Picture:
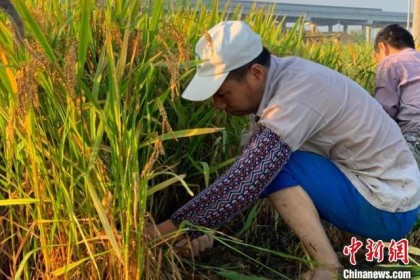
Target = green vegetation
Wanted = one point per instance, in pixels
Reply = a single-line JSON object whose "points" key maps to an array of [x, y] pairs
{"points": [[94, 135]]}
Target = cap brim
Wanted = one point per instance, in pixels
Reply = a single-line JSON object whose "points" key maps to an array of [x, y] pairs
{"points": [[203, 87]]}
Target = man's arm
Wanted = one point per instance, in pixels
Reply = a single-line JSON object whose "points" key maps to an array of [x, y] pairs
{"points": [[261, 160]]}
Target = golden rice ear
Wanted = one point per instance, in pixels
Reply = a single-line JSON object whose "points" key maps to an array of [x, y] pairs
{"points": [[7, 7]]}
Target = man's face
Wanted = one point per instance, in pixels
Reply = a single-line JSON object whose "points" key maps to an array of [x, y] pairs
{"points": [[241, 97]]}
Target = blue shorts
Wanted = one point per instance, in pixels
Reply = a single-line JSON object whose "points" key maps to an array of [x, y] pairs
{"points": [[338, 201]]}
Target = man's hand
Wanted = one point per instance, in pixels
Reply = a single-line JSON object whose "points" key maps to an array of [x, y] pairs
{"points": [[153, 231], [183, 246], [196, 246]]}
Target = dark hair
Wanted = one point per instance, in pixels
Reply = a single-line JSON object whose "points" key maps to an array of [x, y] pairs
{"points": [[394, 35], [263, 58]]}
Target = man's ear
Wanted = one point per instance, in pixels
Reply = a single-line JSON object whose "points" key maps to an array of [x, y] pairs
{"points": [[258, 72], [384, 48]]}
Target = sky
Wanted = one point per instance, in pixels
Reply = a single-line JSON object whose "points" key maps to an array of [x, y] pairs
{"points": [[385, 5]]}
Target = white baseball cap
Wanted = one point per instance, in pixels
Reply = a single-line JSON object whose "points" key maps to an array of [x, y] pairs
{"points": [[226, 47]]}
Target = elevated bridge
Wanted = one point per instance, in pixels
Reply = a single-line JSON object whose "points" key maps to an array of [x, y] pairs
{"points": [[320, 15]]}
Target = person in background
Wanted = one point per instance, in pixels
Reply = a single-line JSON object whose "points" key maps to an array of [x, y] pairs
{"points": [[398, 81], [321, 149]]}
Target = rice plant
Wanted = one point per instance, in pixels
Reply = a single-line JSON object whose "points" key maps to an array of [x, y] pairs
{"points": [[95, 137]]}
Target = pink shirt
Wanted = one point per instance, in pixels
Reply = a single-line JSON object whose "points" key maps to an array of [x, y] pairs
{"points": [[398, 89]]}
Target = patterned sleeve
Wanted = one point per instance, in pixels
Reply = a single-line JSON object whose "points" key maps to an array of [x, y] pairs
{"points": [[261, 160]]}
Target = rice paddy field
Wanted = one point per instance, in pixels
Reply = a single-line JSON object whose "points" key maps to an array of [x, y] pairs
{"points": [[95, 142]]}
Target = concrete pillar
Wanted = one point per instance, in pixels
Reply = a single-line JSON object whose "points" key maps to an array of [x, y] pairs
{"points": [[368, 33], [416, 23], [345, 27], [330, 28]]}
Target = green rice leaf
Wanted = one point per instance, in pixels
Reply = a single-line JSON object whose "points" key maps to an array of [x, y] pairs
{"points": [[165, 184], [84, 33], [181, 134], [102, 216], [18, 201]]}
